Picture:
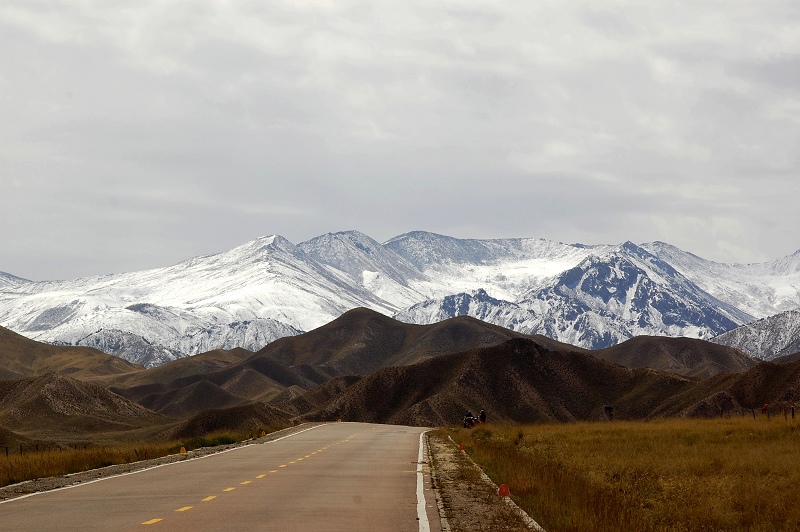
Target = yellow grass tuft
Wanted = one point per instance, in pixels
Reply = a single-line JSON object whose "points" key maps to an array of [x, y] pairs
{"points": [[676, 474]]}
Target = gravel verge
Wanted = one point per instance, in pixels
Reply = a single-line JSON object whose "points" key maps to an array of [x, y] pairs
{"points": [[466, 501]]}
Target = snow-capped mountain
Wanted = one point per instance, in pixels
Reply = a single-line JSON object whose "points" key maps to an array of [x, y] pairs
{"points": [[506, 268], [247, 297], [591, 296], [376, 267], [760, 290], [477, 304], [7, 281], [766, 338], [602, 301]]}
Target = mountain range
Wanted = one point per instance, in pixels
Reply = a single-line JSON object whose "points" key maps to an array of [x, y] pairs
{"points": [[588, 296], [365, 366]]}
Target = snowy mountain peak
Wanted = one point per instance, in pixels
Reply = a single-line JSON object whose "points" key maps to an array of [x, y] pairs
{"points": [[8, 280], [341, 243], [424, 249], [370, 264], [272, 243], [786, 265]]}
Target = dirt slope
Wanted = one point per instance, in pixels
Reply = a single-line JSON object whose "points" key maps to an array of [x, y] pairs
{"points": [[517, 381], [684, 356], [238, 420], [55, 403], [357, 343], [22, 357], [362, 341]]}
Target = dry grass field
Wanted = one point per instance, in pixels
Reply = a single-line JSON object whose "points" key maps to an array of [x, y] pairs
{"points": [[738, 473], [63, 460]]}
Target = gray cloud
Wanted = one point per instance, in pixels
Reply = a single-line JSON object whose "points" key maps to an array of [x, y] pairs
{"points": [[138, 134]]}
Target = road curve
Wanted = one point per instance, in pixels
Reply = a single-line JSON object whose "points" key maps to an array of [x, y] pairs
{"points": [[338, 476]]}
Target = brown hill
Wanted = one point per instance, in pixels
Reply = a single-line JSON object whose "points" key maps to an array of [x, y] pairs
{"points": [[361, 341], [172, 393], [786, 358], [55, 404], [186, 401], [199, 364], [318, 397], [730, 394], [239, 419], [522, 381], [768, 383], [357, 343], [684, 356], [22, 357], [11, 439], [518, 381]]}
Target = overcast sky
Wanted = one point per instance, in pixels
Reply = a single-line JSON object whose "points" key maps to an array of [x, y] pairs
{"points": [[136, 134]]}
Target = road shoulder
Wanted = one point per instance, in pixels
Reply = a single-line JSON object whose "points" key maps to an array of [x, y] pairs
{"points": [[466, 502]]}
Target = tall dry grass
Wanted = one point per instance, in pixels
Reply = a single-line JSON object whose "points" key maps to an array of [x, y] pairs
{"points": [[677, 474], [54, 462], [19, 467]]}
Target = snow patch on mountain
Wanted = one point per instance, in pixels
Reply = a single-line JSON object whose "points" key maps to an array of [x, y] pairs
{"points": [[478, 304], [378, 269], [506, 268]]}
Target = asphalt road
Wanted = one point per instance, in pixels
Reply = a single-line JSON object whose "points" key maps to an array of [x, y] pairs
{"points": [[339, 476]]}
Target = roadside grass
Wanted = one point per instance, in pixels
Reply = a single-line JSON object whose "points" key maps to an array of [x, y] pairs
{"points": [[674, 474], [57, 461]]}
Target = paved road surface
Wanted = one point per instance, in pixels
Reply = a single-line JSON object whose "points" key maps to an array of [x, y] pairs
{"points": [[339, 476]]}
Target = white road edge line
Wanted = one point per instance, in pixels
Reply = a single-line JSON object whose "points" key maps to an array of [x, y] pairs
{"points": [[154, 467], [422, 513]]}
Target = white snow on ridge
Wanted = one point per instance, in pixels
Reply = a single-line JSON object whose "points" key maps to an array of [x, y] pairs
{"points": [[268, 288], [760, 290]]}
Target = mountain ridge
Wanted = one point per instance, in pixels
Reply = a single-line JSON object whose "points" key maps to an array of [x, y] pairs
{"points": [[270, 288]]}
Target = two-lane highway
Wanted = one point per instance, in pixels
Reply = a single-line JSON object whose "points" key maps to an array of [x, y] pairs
{"points": [[339, 476]]}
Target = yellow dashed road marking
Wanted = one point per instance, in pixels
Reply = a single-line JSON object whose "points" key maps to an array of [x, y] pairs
{"points": [[184, 509], [245, 482], [282, 465], [229, 489], [210, 497], [299, 459], [261, 476], [152, 521], [274, 471]]}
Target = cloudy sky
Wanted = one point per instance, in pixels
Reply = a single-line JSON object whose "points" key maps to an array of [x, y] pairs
{"points": [[136, 134]]}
